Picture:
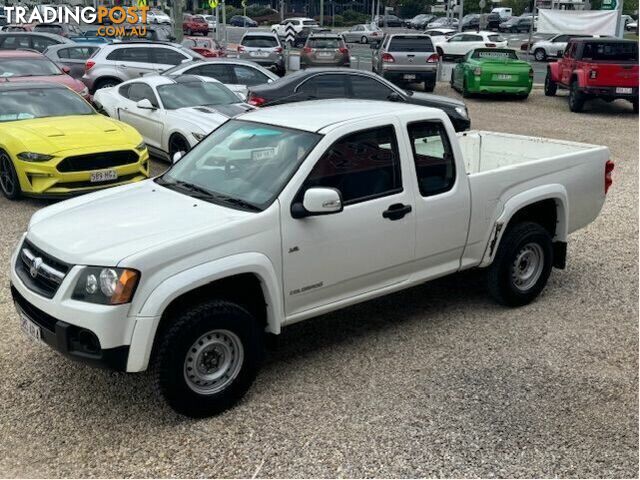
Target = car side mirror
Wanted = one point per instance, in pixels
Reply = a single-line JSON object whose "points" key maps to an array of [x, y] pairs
{"points": [[66, 70], [394, 97], [145, 104], [177, 156], [318, 201]]}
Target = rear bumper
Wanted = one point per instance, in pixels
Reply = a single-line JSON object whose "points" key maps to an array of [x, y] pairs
{"points": [[307, 62], [497, 89], [428, 76], [611, 92]]}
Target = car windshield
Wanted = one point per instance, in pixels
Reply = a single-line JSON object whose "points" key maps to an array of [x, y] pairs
{"points": [[411, 44], [495, 38], [493, 54], [260, 42], [193, 94], [613, 52], [40, 103], [27, 67], [323, 43], [309, 22], [241, 164]]}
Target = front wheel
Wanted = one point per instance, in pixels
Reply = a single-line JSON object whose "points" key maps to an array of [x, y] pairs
{"points": [[550, 87], [364, 40], [9, 183], [208, 358], [177, 143], [540, 55], [522, 265]]}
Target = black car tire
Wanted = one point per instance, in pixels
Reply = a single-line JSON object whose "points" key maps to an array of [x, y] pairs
{"points": [[177, 143], [576, 97], [540, 55], [550, 87], [635, 105], [429, 87], [9, 183], [364, 40], [106, 83]]}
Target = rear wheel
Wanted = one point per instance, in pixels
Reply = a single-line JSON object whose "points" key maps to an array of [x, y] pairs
{"points": [[9, 183], [635, 105], [429, 87], [540, 55], [106, 83], [550, 87], [576, 97]]}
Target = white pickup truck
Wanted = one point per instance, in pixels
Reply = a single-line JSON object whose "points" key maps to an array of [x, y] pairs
{"points": [[286, 213]]}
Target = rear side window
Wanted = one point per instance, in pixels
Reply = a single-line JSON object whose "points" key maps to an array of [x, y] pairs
{"points": [[12, 42], [493, 38], [411, 44], [260, 42], [76, 53], [220, 72], [41, 43], [166, 56], [136, 55], [326, 86], [333, 42], [362, 166], [433, 158], [614, 52], [249, 76]]}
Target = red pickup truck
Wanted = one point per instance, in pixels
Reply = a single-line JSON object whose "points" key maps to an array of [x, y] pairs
{"points": [[604, 68], [193, 25]]}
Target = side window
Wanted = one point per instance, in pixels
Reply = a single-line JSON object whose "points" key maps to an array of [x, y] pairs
{"points": [[561, 39], [249, 76], [362, 166], [457, 38], [124, 90], [76, 53], [433, 157], [41, 43], [325, 86], [140, 91], [134, 55], [166, 56], [365, 87], [220, 72], [472, 38]]}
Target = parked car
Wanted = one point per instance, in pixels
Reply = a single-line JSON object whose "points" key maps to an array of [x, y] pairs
{"points": [[284, 214], [419, 22], [119, 62], [516, 25], [363, 33], [205, 46], [470, 22], [263, 48], [158, 17], [29, 66], [172, 112], [237, 75], [155, 33], [496, 71], [211, 21], [494, 20], [30, 40], [92, 35], [327, 83], [407, 58], [325, 50], [439, 35], [54, 144], [626, 20], [551, 47], [301, 37], [388, 21], [459, 45], [443, 22], [62, 29], [192, 25], [505, 13], [631, 26], [72, 56], [297, 23], [596, 68], [242, 21]]}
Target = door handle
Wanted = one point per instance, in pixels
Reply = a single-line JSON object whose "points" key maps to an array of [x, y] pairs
{"points": [[396, 211]]}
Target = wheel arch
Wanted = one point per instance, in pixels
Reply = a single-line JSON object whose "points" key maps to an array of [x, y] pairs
{"points": [[101, 79], [554, 71]]}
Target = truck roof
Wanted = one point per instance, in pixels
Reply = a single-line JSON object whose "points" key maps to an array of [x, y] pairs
{"points": [[316, 115]]}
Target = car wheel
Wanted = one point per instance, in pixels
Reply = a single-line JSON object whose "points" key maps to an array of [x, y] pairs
{"points": [[9, 183], [429, 87], [177, 143], [208, 358], [576, 97], [451, 81], [522, 265], [465, 92], [635, 105], [550, 87], [540, 55], [106, 83]]}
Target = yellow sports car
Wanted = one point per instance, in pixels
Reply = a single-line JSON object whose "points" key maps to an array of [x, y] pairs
{"points": [[54, 144]]}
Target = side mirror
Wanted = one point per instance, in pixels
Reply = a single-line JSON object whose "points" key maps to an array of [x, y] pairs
{"points": [[145, 104], [318, 201], [394, 97], [66, 70], [177, 156]]}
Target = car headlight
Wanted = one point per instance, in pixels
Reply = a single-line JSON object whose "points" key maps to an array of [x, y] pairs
{"points": [[198, 136], [142, 147], [34, 157], [106, 285], [462, 111]]}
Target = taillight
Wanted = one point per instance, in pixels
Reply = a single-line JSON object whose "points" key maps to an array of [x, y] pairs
{"points": [[593, 74], [89, 65], [388, 58], [374, 34], [477, 71], [343, 50], [278, 49], [306, 49], [433, 58], [255, 100], [490, 45], [608, 178], [240, 49]]}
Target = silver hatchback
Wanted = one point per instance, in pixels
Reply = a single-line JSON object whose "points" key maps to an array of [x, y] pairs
{"points": [[263, 48]]}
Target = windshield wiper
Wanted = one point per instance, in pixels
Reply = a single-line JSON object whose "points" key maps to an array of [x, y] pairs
{"points": [[237, 201], [203, 193]]}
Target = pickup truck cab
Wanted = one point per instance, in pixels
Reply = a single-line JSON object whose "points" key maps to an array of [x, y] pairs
{"points": [[283, 214], [596, 68]]}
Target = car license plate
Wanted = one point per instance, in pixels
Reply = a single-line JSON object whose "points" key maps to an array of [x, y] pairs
{"points": [[29, 328], [503, 76], [408, 76], [624, 90], [103, 176], [325, 54], [259, 54]]}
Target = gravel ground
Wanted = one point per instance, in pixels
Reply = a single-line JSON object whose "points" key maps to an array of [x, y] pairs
{"points": [[434, 381]]}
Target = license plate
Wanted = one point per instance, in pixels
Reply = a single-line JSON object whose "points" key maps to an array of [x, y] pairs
{"points": [[503, 76], [259, 54], [624, 90], [408, 76], [325, 54], [103, 176], [29, 328], [266, 154]]}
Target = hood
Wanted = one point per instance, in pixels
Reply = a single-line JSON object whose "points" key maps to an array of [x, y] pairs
{"points": [[55, 134], [122, 221], [429, 100], [208, 118], [68, 81]]}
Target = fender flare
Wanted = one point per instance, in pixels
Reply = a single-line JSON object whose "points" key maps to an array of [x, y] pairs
{"points": [[151, 311], [581, 75], [554, 72], [516, 203]]}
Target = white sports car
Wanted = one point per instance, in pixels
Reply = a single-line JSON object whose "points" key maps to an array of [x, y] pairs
{"points": [[172, 113], [460, 44]]}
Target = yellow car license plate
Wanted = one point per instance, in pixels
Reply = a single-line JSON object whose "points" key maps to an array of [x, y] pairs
{"points": [[103, 176]]}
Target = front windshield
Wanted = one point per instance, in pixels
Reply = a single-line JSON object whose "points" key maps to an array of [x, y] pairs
{"points": [[39, 103], [27, 67], [195, 94], [241, 164]]}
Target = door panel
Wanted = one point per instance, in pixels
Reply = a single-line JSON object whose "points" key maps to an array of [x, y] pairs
{"points": [[149, 123]]}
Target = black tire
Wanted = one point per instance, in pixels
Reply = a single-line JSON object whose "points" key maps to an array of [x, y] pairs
{"points": [[540, 55], [502, 275], [429, 87], [465, 92], [364, 40], [451, 81], [177, 143], [576, 97], [106, 83], [215, 320], [635, 105], [9, 183], [550, 87]]}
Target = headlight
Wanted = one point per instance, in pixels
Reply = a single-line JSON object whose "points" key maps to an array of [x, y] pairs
{"points": [[462, 111], [198, 136], [106, 285], [142, 147], [34, 157]]}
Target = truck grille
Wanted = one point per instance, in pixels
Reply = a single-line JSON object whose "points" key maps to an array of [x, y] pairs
{"points": [[40, 272], [97, 161]]}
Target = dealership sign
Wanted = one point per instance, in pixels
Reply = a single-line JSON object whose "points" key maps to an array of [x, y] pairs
{"points": [[65, 14]]}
